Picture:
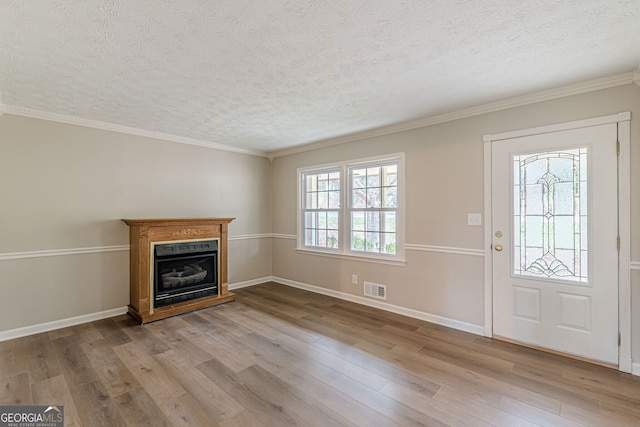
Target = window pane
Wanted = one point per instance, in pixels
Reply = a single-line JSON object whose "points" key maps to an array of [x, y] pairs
{"points": [[373, 221], [323, 182], [310, 220], [373, 198], [334, 184], [334, 199], [389, 222], [359, 179], [372, 242], [357, 241], [389, 243], [332, 220], [390, 197], [322, 238], [322, 219], [332, 238], [357, 221], [373, 177], [311, 181], [311, 201], [391, 175], [358, 198], [323, 200]]}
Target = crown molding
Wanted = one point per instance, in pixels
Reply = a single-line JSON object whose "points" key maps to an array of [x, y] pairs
{"points": [[547, 95], [61, 118]]}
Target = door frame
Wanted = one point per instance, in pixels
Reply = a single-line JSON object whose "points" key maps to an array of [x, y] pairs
{"points": [[624, 222]]}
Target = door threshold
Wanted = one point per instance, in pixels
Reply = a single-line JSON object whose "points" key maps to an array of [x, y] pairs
{"points": [[556, 352]]}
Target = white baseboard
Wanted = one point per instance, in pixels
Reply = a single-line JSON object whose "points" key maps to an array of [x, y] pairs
{"points": [[625, 364], [252, 282], [635, 368], [58, 324], [427, 317]]}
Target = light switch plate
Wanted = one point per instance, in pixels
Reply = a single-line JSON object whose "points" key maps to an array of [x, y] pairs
{"points": [[474, 219]]}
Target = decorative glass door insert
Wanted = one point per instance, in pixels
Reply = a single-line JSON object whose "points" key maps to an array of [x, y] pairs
{"points": [[550, 215]]}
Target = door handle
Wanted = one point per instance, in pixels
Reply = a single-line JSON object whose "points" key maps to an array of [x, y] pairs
{"points": [[498, 248]]}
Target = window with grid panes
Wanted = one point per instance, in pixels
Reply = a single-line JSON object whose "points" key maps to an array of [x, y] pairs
{"points": [[353, 208], [373, 208], [321, 209]]}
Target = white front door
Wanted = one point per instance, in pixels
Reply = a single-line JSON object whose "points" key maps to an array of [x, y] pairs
{"points": [[554, 241]]}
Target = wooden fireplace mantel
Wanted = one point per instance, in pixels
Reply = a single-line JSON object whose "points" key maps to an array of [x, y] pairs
{"points": [[143, 233]]}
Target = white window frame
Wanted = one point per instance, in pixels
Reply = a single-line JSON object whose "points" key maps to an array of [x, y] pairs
{"points": [[344, 222]]}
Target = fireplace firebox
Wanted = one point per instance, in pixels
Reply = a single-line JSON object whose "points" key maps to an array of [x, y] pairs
{"points": [[185, 271]]}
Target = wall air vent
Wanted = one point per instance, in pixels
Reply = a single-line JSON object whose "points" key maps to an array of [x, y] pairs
{"points": [[375, 290]]}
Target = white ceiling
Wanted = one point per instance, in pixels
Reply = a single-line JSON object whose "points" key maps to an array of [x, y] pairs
{"points": [[267, 75]]}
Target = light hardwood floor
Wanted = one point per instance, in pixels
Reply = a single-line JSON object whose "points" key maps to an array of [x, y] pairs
{"points": [[280, 356]]}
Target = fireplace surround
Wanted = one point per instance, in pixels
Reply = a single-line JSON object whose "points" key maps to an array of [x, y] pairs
{"points": [[176, 266]]}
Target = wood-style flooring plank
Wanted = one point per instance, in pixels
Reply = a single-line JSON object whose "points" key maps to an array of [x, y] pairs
{"points": [[138, 409], [55, 391], [40, 358], [263, 406], [16, 390], [212, 399], [112, 372], [160, 386], [95, 406], [185, 410], [398, 411], [75, 364]]}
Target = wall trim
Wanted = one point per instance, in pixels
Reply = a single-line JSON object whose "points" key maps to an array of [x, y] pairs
{"points": [[634, 265], [95, 124], [635, 370], [62, 252], [98, 249], [547, 95], [416, 314], [250, 236], [285, 236], [445, 249], [59, 324]]}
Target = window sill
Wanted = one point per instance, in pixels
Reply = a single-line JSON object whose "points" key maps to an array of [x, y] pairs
{"points": [[398, 262]]}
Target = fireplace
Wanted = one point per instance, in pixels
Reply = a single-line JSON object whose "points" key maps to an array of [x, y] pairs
{"points": [[184, 271], [176, 266]]}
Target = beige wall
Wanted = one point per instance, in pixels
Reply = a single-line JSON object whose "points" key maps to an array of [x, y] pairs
{"points": [[66, 187], [444, 175]]}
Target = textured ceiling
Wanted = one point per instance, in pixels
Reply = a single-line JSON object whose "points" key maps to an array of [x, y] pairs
{"points": [[272, 74]]}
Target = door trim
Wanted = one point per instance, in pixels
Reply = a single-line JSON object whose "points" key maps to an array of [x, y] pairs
{"points": [[624, 222]]}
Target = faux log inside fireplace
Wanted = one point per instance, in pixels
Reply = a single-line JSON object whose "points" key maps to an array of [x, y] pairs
{"points": [[176, 266]]}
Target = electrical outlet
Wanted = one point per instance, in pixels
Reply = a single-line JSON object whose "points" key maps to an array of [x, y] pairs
{"points": [[354, 279]]}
